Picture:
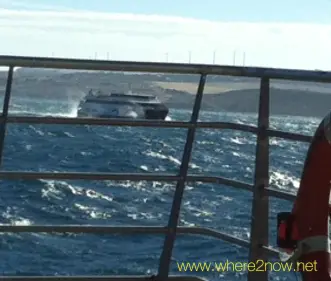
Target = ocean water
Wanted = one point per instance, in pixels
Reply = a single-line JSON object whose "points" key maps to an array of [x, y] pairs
{"points": [[123, 149]]}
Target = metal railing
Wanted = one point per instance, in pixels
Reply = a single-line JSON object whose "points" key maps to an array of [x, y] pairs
{"points": [[258, 245]]}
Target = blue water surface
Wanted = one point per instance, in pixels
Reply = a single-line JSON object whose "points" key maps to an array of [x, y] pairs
{"points": [[124, 149]]}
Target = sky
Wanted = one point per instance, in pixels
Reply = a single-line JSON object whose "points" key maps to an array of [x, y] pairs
{"points": [[290, 34]]}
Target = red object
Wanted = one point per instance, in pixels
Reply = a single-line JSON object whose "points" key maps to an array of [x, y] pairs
{"points": [[287, 234], [282, 230], [311, 208]]}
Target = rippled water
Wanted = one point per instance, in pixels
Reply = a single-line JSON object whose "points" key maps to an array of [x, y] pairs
{"points": [[122, 149]]}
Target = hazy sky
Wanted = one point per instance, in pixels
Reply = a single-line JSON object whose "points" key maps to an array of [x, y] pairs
{"points": [[294, 34]]}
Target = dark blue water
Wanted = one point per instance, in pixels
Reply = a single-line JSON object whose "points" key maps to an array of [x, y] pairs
{"points": [[123, 149]]}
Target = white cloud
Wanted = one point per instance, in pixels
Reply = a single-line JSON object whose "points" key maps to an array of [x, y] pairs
{"points": [[81, 34], [30, 5]]}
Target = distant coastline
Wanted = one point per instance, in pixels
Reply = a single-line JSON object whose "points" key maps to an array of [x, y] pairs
{"points": [[230, 94]]}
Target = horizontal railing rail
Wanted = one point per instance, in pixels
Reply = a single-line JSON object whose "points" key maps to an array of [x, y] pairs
{"points": [[157, 124], [23, 175], [153, 67], [130, 230], [258, 243]]}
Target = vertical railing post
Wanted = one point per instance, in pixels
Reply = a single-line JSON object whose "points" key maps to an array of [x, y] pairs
{"points": [[169, 241], [5, 108], [260, 204]]}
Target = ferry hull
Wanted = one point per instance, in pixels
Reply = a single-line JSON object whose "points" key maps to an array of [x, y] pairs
{"points": [[159, 112], [122, 106]]}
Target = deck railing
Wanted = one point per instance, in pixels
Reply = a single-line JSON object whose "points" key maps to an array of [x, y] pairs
{"points": [[258, 245]]}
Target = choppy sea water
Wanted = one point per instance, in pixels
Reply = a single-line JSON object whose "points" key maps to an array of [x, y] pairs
{"points": [[123, 149]]}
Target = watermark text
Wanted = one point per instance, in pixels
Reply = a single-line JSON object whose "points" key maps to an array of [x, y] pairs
{"points": [[258, 266]]}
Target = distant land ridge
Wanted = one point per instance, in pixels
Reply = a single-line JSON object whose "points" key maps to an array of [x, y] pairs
{"points": [[232, 94]]}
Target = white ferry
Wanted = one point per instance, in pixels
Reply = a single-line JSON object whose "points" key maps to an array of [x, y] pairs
{"points": [[121, 105]]}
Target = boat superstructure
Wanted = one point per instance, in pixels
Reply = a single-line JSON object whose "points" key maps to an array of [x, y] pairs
{"points": [[258, 244], [122, 105]]}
